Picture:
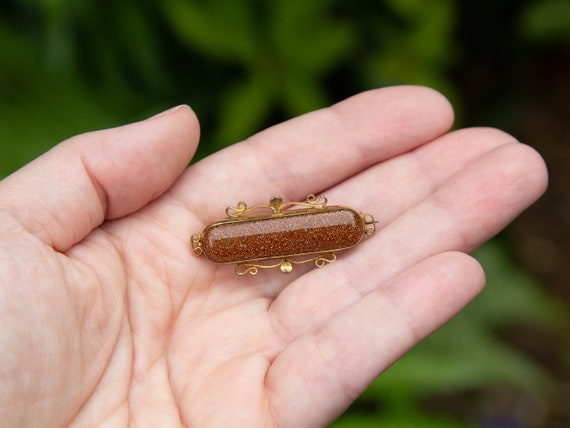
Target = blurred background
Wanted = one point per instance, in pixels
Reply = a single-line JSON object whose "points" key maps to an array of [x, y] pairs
{"points": [[68, 67]]}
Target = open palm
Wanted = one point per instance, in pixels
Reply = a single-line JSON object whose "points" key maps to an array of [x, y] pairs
{"points": [[106, 317]]}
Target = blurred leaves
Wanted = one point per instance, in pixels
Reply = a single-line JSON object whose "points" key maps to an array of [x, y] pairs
{"points": [[38, 109], [546, 21], [223, 29], [417, 45], [282, 49]]}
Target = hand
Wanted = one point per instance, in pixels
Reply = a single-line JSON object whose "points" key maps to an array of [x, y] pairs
{"points": [[106, 317]]}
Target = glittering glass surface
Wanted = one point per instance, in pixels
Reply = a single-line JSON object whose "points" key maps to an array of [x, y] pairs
{"points": [[282, 236]]}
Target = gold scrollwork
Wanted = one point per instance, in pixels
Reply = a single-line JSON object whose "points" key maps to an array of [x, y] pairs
{"points": [[321, 261], [286, 264], [276, 205], [317, 201], [312, 201], [237, 211], [253, 268]]}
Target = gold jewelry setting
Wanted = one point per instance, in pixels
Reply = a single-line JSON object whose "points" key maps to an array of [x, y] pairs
{"points": [[292, 233]]}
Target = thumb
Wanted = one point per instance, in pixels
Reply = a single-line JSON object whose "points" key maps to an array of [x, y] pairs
{"points": [[61, 196]]}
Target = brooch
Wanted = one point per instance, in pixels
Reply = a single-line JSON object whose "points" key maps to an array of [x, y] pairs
{"points": [[291, 233]]}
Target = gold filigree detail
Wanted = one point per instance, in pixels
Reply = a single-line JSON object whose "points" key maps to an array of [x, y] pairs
{"points": [[286, 264], [196, 241], [237, 211], [369, 223], [276, 205], [321, 261], [316, 201], [253, 268], [312, 201]]}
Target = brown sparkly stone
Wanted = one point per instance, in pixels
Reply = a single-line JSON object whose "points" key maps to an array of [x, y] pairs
{"points": [[284, 235]]}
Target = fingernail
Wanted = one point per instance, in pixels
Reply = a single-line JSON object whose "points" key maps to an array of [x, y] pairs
{"points": [[170, 110]]}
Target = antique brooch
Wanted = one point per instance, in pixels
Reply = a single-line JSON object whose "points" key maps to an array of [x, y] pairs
{"points": [[291, 233]]}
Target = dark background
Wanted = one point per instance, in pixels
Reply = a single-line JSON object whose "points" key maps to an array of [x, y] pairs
{"points": [[69, 67]]}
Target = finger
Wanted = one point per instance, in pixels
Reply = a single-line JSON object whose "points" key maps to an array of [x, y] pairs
{"points": [[390, 189], [469, 208], [317, 150], [322, 372], [64, 194]]}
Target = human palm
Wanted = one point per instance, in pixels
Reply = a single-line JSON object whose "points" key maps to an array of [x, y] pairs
{"points": [[106, 317]]}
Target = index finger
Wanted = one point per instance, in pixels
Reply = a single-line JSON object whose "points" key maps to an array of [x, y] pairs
{"points": [[317, 150]]}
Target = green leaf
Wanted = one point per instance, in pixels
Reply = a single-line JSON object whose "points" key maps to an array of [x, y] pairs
{"points": [[138, 42], [243, 109], [302, 94], [512, 295], [546, 21], [460, 356], [39, 108], [224, 29], [306, 35]]}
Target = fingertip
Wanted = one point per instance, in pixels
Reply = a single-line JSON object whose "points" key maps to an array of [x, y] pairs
{"points": [[170, 111], [434, 290], [416, 114], [523, 175], [182, 116], [460, 266], [436, 100], [529, 161], [455, 275], [440, 107], [135, 163], [520, 160], [537, 168], [431, 100], [182, 113]]}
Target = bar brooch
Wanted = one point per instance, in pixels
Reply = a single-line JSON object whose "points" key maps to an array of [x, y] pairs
{"points": [[291, 233]]}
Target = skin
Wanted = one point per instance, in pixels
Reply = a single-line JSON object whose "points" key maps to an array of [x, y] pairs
{"points": [[107, 318]]}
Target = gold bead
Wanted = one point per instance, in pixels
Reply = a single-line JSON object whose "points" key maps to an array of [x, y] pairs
{"points": [[286, 266]]}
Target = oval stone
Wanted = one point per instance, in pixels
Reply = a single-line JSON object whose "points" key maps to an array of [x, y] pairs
{"points": [[282, 235]]}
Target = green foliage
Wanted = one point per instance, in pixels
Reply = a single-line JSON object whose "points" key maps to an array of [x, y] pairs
{"points": [[421, 49], [358, 420], [35, 105], [282, 50], [69, 67], [547, 21]]}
